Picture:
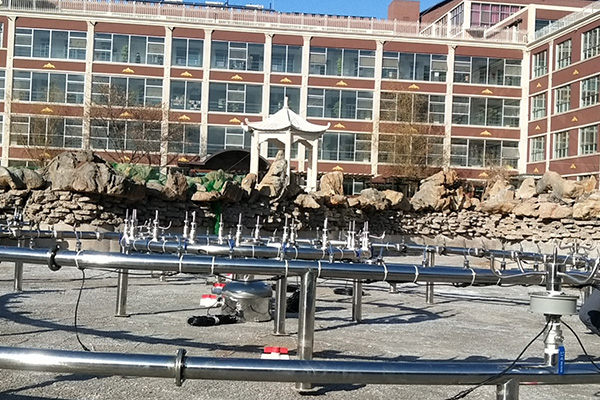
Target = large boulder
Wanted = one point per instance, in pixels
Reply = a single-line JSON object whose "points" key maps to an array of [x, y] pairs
{"points": [[502, 202], [307, 201], [11, 179], [84, 172], [176, 186], [554, 211], [332, 183], [273, 183], [397, 200], [588, 208], [434, 191], [232, 192], [527, 189], [561, 188]]}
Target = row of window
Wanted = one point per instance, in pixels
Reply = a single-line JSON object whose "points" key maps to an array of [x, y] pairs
{"points": [[588, 144], [247, 99], [590, 47], [186, 139], [182, 138], [240, 56], [590, 90]]}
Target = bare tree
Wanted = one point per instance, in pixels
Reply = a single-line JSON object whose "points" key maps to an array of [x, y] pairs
{"points": [[130, 131], [410, 144]]}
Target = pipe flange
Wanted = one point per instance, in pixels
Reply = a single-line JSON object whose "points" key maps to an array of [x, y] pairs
{"points": [[178, 367], [51, 259]]}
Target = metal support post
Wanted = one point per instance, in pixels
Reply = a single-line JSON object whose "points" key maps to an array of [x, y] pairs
{"points": [[280, 306], [122, 281], [429, 285], [18, 283], [508, 390], [357, 301], [554, 340], [306, 321]]}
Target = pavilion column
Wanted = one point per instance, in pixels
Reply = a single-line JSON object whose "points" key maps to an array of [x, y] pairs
{"points": [[254, 153], [312, 173], [288, 153]]}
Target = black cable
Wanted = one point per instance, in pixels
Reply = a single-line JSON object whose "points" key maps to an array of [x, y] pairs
{"points": [[466, 392], [581, 345], [77, 309]]}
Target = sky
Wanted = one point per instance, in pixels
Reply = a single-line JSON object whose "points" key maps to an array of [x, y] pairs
{"points": [[358, 8]]}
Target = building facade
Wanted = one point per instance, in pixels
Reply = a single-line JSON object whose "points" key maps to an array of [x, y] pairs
{"points": [[481, 84]]}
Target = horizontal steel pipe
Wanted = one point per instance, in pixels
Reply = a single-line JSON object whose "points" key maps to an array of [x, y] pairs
{"points": [[220, 265], [577, 260], [181, 367], [253, 251]]}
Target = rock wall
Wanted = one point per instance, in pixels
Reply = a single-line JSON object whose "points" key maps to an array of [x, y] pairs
{"points": [[47, 208]]}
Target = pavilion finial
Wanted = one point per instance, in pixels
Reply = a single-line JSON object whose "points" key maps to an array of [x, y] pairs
{"points": [[285, 102]]}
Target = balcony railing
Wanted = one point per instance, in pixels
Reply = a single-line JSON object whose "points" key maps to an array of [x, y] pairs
{"points": [[568, 20], [237, 17]]}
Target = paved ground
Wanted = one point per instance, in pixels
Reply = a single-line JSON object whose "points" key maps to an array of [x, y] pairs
{"points": [[476, 323]]}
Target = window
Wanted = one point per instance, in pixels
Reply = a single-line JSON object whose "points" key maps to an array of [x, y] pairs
{"points": [[277, 97], [540, 64], [403, 149], [480, 153], [344, 104], [457, 17], [125, 135], [236, 98], [561, 144], [487, 71], [54, 44], [538, 106], [345, 147], [185, 95], [563, 99], [483, 14], [286, 59], [184, 139], [537, 149], [342, 62], [220, 138], [414, 67], [237, 56], [591, 43], [410, 107], [121, 91], [1, 34], [589, 91], [563, 54], [187, 52], [485, 111], [129, 49], [44, 132], [588, 140], [48, 87]]}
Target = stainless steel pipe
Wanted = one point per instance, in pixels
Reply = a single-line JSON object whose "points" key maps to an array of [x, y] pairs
{"points": [[219, 265], [306, 322], [181, 367]]}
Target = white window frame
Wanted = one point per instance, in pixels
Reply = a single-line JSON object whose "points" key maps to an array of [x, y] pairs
{"points": [[563, 54], [538, 106], [590, 88], [561, 144], [588, 140], [562, 99], [590, 43], [537, 150], [540, 64]]}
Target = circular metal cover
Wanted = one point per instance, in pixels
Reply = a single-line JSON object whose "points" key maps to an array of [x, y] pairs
{"points": [[247, 290], [560, 304]]}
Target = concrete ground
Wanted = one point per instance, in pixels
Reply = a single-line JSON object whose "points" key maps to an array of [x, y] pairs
{"points": [[473, 323]]}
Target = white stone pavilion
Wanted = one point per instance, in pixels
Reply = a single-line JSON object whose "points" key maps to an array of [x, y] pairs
{"points": [[287, 128]]}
